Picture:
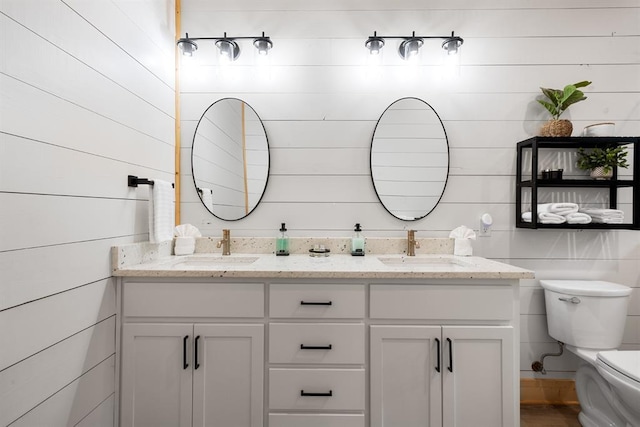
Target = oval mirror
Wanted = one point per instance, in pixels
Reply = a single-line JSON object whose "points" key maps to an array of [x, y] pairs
{"points": [[230, 159], [409, 159]]}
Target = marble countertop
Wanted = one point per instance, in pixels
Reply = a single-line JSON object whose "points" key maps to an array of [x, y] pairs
{"points": [[336, 266]]}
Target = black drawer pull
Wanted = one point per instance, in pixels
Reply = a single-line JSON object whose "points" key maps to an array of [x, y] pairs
{"points": [[185, 365], [438, 351], [315, 347], [316, 302], [450, 368], [196, 365], [328, 394]]}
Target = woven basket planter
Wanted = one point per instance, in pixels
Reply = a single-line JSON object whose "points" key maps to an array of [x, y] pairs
{"points": [[557, 128]]}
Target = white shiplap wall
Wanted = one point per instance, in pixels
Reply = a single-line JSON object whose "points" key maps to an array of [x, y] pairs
{"points": [[319, 102], [86, 97]]}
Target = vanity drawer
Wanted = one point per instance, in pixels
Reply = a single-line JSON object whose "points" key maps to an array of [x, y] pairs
{"points": [[193, 299], [338, 389], [337, 342], [316, 301], [435, 302], [316, 420]]}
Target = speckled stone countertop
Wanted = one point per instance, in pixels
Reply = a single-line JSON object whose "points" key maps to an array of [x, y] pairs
{"points": [[154, 261]]}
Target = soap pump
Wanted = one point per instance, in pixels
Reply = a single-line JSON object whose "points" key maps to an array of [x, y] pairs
{"points": [[282, 242], [357, 242]]}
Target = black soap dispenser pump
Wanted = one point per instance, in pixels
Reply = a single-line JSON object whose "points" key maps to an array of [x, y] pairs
{"points": [[357, 242], [282, 242]]}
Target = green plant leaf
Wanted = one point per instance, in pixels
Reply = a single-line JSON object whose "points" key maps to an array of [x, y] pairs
{"points": [[575, 96], [550, 107], [582, 84]]}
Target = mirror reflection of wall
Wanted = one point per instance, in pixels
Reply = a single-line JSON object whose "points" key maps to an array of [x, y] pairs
{"points": [[230, 159], [409, 159]]}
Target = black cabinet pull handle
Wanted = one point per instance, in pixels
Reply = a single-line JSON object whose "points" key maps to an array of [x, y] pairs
{"points": [[316, 302], [196, 365], [450, 368], [304, 393], [438, 354], [315, 347], [185, 365]]}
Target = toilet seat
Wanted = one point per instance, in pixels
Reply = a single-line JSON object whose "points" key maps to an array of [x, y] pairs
{"points": [[625, 363]]}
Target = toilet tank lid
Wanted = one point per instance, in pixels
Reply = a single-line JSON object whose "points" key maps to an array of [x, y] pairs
{"points": [[594, 288]]}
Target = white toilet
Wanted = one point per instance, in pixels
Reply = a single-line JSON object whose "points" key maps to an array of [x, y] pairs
{"points": [[589, 318]]}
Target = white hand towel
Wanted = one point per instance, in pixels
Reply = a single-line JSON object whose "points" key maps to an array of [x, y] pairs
{"points": [[545, 218], [558, 208], [161, 211], [207, 197], [578, 218]]}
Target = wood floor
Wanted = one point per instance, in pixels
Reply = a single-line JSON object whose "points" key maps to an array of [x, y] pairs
{"points": [[549, 415]]}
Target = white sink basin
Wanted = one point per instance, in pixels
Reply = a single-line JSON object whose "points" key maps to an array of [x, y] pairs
{"points": [[203, 261], [423, 262]]}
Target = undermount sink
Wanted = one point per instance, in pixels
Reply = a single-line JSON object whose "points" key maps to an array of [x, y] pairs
{"points": [[415, 262], [196, 261]]}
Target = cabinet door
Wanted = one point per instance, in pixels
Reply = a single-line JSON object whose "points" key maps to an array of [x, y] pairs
{"points": [[228, 375], [478, 376], [405, 382], [156, 375]]}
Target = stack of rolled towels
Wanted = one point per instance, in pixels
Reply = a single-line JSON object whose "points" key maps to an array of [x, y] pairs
{"points": [[571, 213]]}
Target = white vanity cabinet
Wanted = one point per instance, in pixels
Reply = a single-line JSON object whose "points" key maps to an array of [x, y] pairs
{"points": [[443, 356], [192, 354], [318, 352]]}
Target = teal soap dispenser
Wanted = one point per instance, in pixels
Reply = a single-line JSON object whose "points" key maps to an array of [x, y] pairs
{"points": [[357, 242], [282, 242]]}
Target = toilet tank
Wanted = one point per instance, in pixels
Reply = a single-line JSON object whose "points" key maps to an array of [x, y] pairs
{"points": [[586, 313]]}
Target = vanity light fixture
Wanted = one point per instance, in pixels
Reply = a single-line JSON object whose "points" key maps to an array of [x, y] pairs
{"points": [[226, 45], [411, 45]]}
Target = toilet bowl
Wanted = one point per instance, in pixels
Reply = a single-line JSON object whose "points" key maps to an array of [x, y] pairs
{"points": [[589, 317]]}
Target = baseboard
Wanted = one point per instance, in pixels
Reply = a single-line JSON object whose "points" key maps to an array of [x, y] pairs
{"points": [[535, 391]]}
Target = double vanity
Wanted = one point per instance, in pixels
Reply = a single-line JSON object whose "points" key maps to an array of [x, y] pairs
{"points": [[252, 339]]}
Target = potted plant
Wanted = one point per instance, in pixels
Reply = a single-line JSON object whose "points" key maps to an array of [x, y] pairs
{"points": [[557, 103], [601, 161]]}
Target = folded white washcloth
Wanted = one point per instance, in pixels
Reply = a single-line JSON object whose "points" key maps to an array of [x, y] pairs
{"points": [[161, 211], [603, 213], [558, 208], [207, 197], [578, 218], [545, 218]]}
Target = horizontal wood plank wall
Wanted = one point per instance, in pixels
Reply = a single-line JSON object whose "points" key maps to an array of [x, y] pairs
{"points": [[86, 99], [320, 103]]}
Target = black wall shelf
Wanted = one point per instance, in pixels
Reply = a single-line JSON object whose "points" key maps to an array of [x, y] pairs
{"points": [[534, 183]]}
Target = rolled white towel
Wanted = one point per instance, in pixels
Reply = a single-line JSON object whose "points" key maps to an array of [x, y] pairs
{"points": [[545, 218], [578, 218], [558, 208], [603, 213], [606, 220]]}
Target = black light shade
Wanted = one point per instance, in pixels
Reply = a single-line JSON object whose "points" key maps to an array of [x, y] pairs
{"points": [[374, 44], [263, 44], [410, 47], [187, 46], [452, 44], [228, 48]]}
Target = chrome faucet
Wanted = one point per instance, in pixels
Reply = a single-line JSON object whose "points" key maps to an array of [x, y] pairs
{"points": [[225, 242], [411, 243]]}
